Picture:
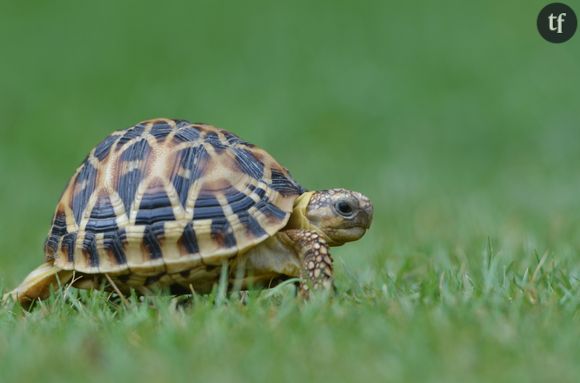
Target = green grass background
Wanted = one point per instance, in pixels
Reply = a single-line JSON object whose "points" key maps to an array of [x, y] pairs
{"points": [[455, 118]]}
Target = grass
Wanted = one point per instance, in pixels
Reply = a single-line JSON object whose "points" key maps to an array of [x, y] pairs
{"points": [[494, 320], [456, 119]]}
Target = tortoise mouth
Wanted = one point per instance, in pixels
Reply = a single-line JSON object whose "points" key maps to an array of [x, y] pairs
{"points": [[343, 235]]}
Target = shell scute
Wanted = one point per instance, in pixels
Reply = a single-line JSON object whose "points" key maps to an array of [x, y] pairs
{"points": [[207, 207], [213, 139], [282, 183], [189, 166], [57, 230], [152, 240], [102, 150], [238, 201], [89, 251], [136, 151], [103, 218], [188, 242], [155, 206], [248, 163], [251, 225], [127, 185], [113, 246], [161, 129], [131, 133], [186, 134], [68, 245], [83, 188], [222, 232]]}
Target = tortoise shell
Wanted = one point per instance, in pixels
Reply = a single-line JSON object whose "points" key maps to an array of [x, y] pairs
{"points": [[167, 195]]}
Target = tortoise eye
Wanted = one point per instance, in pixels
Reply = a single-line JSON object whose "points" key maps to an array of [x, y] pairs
{"points": [[343, 208]]}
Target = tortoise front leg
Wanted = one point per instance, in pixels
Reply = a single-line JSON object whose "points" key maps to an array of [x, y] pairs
{"points": [[316, 262]]}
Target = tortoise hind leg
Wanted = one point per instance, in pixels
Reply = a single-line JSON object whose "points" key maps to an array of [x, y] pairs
{"points": [[37, 284]]}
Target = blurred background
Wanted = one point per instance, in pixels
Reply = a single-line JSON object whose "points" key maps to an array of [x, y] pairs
{"points": [[456, 118]]}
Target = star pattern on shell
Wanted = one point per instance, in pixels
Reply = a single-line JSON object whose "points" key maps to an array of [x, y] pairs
{"points": [[166, 196]]}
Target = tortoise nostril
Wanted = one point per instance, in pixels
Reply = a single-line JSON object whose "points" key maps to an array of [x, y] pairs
{"points": [[368, 209]]}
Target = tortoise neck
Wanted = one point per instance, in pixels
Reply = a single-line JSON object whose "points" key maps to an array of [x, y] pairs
{"points": [[298, 218]]}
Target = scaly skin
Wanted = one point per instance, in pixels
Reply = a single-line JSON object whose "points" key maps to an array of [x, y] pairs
{"points": [[316, 271]]}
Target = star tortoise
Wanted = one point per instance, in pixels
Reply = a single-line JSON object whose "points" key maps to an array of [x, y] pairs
{"points": [[168, 203]]}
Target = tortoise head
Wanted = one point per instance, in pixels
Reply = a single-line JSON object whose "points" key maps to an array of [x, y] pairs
{"points": [[338, 215]]}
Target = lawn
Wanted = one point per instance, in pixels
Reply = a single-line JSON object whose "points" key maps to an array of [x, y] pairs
{"points": [[455, 118]]}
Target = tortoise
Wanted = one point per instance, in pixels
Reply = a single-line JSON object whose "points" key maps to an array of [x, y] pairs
{"points": [[171, 204]]}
